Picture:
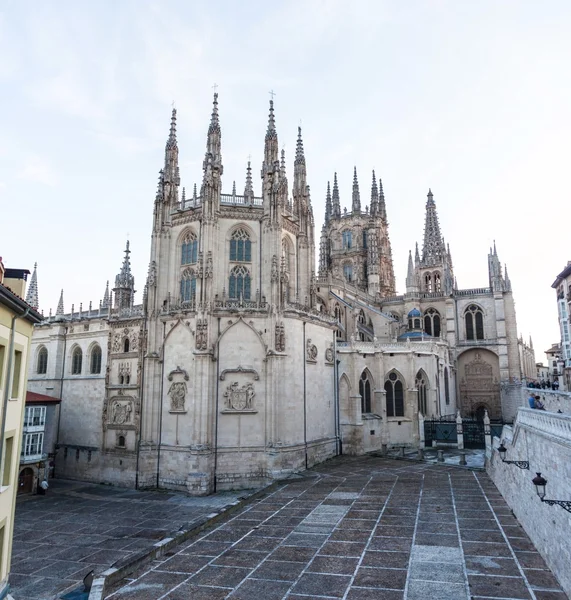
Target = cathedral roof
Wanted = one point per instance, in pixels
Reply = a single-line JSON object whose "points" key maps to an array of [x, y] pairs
{"points": [[414, 313]]}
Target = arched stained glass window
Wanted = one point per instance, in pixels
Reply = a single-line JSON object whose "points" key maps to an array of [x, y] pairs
{"points": [[446, 386], [188, 286], [432, 322], [42, 361], [348, 272], [189, 249], [239, 284], [347, 239], [76, 361], [474, 318], [95, 366], [365, 391], [240, 246], [395, 396], [420, 384]]}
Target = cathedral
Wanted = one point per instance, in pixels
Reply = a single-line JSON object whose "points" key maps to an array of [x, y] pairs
{"points": [[247, 359]]}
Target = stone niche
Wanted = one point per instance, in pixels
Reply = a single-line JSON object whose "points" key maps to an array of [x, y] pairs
{"points": [[121, 416], [239, 390]]}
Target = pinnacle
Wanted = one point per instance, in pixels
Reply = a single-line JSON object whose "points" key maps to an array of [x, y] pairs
{"points": [[32, 294], [271, 132], [214, 122], [299, 154], [59, 310], [171, 142]]}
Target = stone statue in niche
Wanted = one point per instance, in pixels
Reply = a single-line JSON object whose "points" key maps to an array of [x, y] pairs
{"points": [[280, 337], [329, 354], [201, 334], [311, 350], [274, 275], [121, 413], [239, 398], [177, 393]]}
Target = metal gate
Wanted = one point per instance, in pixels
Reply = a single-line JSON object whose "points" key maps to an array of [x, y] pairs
{"points": [[474, 436], [440, 431]]}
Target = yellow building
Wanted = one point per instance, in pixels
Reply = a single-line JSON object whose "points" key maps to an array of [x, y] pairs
{"points": [[17, 320]]}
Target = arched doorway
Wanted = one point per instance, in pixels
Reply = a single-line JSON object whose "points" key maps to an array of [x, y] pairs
{"points": [[479, 375], [26, 481], [480, 412]]}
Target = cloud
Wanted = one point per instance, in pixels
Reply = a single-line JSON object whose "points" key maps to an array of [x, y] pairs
{"points": [[39, 171]]}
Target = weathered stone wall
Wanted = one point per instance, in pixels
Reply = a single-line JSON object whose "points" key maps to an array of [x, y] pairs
{"points": [[543, 439]]}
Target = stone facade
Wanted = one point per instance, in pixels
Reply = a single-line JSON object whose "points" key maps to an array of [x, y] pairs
{"points": [[242, 364], [544, 440]]}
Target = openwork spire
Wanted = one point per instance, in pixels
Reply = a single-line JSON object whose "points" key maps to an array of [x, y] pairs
{"points": [[356, 195], [271, 150], [283, 163], [105, 303], [299, 154], [249, 189], [335, 199], [213, 142], [416, 255], [125, 278], [171, 141], [59, 309], [328, 204], [433, 250], [32, 294], [214, 121], [374, 197], [271, 132], [382, 205]]}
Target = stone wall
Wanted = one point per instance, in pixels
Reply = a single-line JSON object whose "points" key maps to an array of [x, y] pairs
{"points": [[552, 400], [543, 439]]}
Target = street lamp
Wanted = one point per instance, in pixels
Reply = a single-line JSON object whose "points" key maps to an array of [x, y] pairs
{"points": [[522, 464], [540, 482]]}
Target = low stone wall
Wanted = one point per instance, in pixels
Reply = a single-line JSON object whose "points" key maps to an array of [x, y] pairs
{"points": [[552, 400], [544, 439]]}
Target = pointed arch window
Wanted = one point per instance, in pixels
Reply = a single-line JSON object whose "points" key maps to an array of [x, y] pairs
{"points": [[361, 322], [474, 318], [240, 246], [95, 366], [347, 239], [365, 391], [420, 384], [348, 272], [432, 322], [76, 361], [188, 286], [446, 386], [338, 317], [239, 284], [395, 395], [42, 366], [437, 282], [365, 239], [189, 249], [428, 282], [126, 345]]}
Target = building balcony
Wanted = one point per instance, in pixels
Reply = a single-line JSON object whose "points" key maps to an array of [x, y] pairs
{"points": [[31, 458]]}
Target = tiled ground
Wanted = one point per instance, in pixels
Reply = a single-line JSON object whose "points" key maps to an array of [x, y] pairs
{"points": [[77, 527], [359, 529]]}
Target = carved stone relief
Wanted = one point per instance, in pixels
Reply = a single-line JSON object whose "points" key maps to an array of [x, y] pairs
{"points": [[178, 390], [311, 351], [201, 337], [280, 338], [329, 354], [239, 398], [121, 412]]}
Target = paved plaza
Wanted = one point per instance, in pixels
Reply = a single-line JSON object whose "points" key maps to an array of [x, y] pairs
{"points": [[358, 529], [78, 527]]}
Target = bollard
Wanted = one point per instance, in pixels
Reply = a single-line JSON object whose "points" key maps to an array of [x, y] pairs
{"points": [[463, 459], [440, 455], [401, 451], [420, 454], [384, 448]]}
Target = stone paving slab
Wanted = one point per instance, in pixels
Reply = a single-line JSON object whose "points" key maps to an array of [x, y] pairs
{"points": [[78, 527], [358, 528]]}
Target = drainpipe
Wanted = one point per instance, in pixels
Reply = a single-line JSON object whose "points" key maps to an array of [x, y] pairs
{"points": [[161, 415], [61, 384], [339, 448], [216, 414], [8, 384], [304, 399], [142, 392]]}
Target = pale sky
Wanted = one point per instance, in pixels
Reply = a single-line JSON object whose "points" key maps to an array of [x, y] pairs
{"points": [[471, 99]]}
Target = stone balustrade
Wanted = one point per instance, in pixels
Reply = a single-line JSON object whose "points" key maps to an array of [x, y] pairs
{"points": [[552, 400], [370, 347], [545, 422]]}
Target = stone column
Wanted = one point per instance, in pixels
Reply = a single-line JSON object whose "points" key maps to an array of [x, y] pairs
{"points": [[421, 430], [459, 431]]}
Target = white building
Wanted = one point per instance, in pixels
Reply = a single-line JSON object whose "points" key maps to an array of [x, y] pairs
{"points": [[241, 364]]}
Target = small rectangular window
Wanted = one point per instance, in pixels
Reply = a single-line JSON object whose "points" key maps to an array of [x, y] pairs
{"points": [[2, 353], [7, 464], [16, 373]]}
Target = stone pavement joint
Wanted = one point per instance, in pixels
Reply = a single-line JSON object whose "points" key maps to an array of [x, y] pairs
{"points": [[358, 528]]}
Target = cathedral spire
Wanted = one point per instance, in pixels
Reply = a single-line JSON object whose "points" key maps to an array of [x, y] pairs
{"points": [[374, 197], [335, 199], [300, 172], [105, 303], [328, 205], [416, 255], [411, 275], [382, 205], [271, 151], [249, 189], [214, 132], [170, 171], [356, 195], [32, 294], [433, 250], [59, 310], [124, 283]]}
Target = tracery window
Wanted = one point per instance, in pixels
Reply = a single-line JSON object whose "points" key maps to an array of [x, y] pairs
{"points": [[239, 284], [240, 246], [338, 315], [348, 272], [365, 391], [76, 361], [347, 239], [420, 384], [95, 366], [365, 239], [395, 396], [188, 286], [474, 318], [432, 322], [126, 345], [428, 282], [42, 366], [189, 249], [437, 282], [363, 321]]}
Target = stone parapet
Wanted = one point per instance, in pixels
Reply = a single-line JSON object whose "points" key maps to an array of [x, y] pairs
{"points": [[551, 399]]}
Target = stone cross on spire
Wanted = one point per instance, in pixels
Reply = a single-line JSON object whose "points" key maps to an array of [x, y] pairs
{"points": [[32, 294]]}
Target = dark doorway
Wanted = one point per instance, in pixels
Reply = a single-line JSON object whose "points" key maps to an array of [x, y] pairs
{"points": [[26, 481]]}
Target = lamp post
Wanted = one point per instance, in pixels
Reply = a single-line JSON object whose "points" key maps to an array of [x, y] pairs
{"points": [[540, 482], [522, 464]]}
